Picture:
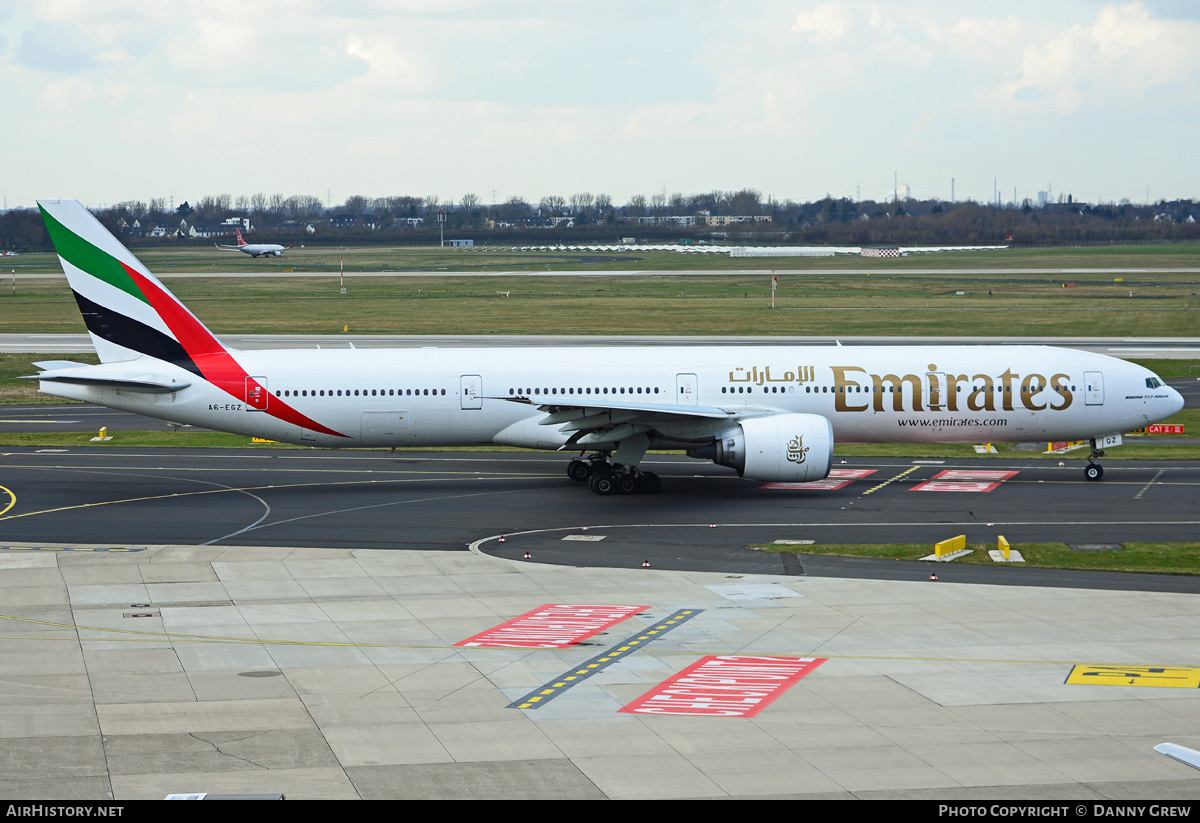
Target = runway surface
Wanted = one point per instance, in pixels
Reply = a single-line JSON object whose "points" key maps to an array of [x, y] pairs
{"points": [[702, 521]]}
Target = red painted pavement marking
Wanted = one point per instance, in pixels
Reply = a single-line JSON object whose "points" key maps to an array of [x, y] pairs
{"points": [[940, 486], [725, 686], [837, 479], [553, 626], [973, 474], [964, 480]]}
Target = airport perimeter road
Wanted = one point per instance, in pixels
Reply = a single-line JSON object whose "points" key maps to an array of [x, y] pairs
{"points": [[703, 520], [78, 417]]}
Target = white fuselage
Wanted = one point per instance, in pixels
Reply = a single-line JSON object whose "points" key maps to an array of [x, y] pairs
{"points": [[260, 249], [464, 396]]}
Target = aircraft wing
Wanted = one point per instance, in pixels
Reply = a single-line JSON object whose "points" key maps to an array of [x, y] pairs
{"points": [[591, 421]]}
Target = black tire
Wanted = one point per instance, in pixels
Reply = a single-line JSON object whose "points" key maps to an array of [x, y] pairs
{"points": [[650, 483], [1094, 471], [627, 484], [602, 483], [579, 470]]}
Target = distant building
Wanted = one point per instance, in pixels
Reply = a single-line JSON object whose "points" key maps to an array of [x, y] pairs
{"points": [[461, 244], [731, 219]]}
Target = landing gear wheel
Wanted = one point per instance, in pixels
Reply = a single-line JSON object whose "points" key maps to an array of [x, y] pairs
{"points": [[579, 470], [1094, 471], [602, 483], [649, 483], [627, 483]]}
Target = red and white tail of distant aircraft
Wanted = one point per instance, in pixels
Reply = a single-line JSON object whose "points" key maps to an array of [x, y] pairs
{"points": [[772, 413], [253, 249]]}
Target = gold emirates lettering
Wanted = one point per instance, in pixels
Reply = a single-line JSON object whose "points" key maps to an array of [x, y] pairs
{"points": [[936, 391]]}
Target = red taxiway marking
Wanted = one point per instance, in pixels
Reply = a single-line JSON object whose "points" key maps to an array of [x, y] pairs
{"points": [[553, 626], [725, 686], [964, 480], [837, 479]]}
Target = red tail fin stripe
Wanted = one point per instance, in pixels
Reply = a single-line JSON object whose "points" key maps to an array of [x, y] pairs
{"points": [[215, 363]]}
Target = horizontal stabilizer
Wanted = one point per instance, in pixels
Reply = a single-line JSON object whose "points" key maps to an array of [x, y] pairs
{"points": [[55, 365], [126, 375]]}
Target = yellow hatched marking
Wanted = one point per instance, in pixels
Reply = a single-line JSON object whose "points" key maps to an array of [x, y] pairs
{"points": [[893, 480]]}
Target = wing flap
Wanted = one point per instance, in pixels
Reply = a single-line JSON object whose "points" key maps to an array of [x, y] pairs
{"points": [[563, 408], [594, 422]]}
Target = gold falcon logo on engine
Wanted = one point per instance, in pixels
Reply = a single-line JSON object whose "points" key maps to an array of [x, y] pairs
{"points": [[796, 450]]}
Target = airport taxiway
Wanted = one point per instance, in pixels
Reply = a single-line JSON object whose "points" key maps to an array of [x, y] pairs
{"points": [[703, 519]]}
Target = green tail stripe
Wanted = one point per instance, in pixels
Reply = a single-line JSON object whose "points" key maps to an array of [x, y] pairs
{"points": [[83, 255]]}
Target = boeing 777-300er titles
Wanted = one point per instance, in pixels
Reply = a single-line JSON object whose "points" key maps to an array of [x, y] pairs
{"points": [[771, 413], [253, 249]]}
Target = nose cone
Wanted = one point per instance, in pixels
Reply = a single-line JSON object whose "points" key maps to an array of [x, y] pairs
{"points": [[1176, 401]]}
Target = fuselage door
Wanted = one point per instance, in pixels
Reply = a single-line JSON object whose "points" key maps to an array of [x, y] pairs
{"points": [[471, 391], [935, 385], [1093, 388], [685, 389], [256, 394]]}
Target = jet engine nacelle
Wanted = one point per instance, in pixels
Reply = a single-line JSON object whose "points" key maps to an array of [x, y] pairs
{"points": [[780, 447]]}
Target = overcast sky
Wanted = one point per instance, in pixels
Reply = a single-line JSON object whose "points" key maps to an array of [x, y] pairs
{"points": [[108, 101]]}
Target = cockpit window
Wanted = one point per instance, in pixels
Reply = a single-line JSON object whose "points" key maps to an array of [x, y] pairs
{"points": [[1153, 382]]}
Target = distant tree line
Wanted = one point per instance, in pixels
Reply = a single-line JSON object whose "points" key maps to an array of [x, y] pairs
{"points": [[585, 217]]}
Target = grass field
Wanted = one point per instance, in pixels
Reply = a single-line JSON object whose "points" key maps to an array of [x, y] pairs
{"points": [[883, 300], [1155, 558]]}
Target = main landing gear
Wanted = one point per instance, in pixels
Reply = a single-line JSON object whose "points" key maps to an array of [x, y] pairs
{"points": [[1094, 470], [604, 477]]}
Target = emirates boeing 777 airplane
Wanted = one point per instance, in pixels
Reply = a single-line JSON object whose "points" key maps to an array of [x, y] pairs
{"points": [[773, 413]]}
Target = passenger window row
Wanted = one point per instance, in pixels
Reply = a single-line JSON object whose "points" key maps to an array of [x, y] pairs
{"points": [[360, 392], [551, 391]]}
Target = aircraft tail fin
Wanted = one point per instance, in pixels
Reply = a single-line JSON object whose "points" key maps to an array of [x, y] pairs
{"points": [[238, 232], [128, 312]]}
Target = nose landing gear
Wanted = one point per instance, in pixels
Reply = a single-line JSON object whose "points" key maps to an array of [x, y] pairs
{"points": [[1094, 471]]}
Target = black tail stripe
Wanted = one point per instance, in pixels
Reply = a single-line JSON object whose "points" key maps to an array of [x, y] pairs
{"points": [[132, 334]]}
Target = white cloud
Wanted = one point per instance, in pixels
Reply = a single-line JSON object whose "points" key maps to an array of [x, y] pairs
{"points": [[396, 97], [824, 25], [1114, 62]]}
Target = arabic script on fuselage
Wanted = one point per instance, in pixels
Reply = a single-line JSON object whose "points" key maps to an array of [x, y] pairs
{"points": [[801, 375]]}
